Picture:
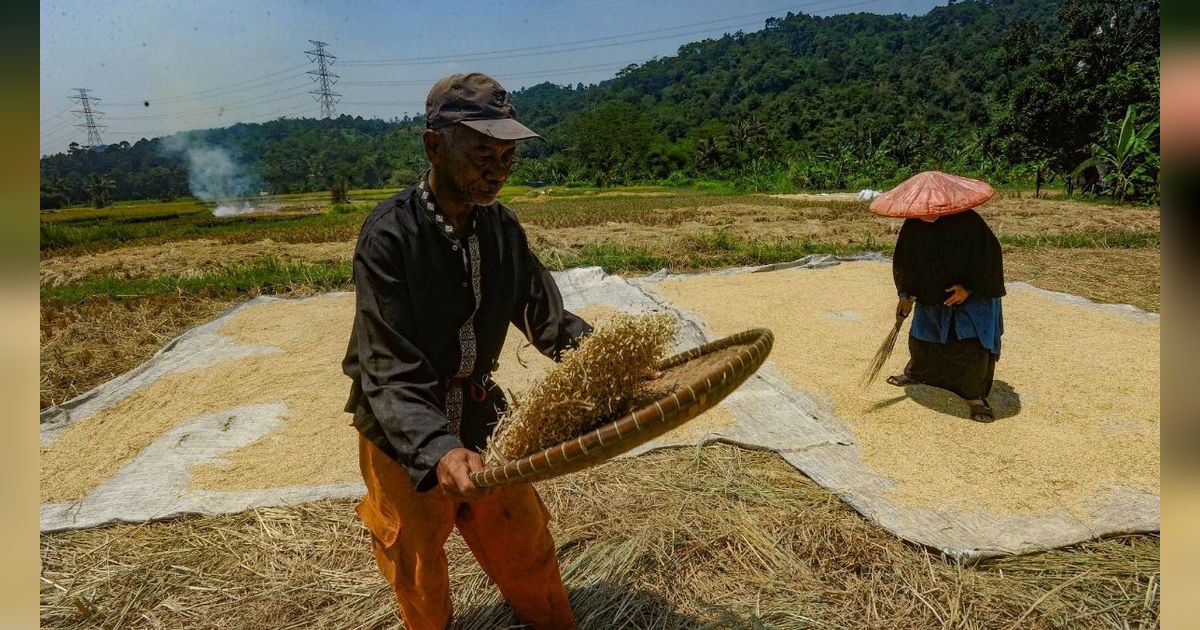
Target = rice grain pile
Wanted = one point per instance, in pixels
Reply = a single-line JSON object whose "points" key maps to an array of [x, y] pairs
{"points": [[594, 383], [314, 442], [1076, 393]]}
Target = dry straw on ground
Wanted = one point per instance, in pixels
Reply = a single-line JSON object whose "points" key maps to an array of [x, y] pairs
{"points": [[183, 258], [86, 344], [594, 383], [1076, 390], [743, 542], [1111, 275]]}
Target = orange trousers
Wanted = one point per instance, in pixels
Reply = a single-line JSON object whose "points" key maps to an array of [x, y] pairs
{"points": [[505, 530]]}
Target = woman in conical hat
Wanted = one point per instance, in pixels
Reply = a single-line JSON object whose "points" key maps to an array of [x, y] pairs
{"points": [[949, 262]]}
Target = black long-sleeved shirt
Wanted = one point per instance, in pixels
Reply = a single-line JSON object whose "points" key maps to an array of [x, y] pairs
{"points": [[432, 312]]}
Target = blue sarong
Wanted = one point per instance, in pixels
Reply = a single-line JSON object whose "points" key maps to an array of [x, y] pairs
{"points": [[977, 318]]}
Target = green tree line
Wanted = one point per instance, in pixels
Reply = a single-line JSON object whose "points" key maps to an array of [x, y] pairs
{"points": [[1008, 90]]}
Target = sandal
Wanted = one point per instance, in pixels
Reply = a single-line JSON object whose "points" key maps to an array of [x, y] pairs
{"points": [[901, 380], [981, 412]]}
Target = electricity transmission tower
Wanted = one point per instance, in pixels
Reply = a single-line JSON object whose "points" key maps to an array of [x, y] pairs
{"points": [[89, 116], [325, 79]]}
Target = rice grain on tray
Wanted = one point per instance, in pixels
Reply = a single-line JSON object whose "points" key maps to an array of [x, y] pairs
{"points": [[594, 383]]}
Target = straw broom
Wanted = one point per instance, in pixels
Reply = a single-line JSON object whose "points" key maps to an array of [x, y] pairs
{"points": [[889, 343]]}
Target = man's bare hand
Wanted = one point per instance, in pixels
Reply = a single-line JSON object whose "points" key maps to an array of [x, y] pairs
{"points": [[958, 295], [904, 307], [453, 471]]}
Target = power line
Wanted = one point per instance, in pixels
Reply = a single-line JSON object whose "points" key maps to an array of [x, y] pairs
{"points": [[257, 100], [613, 40], [69, 131], [389, 103], [324, 78], [216, 91], [58, 140], [61, 136], [89, 116], [499, 75], [66, 123], [282, 112], [54, 115], [288, 110]]}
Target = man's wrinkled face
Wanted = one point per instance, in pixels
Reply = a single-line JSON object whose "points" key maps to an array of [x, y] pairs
{"points": [[476, 164]]}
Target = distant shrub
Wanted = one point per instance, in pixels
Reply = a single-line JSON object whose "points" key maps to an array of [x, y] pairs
{"points": [[676, 179]]}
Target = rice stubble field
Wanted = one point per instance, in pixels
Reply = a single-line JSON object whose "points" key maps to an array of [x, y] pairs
{"points": [[744, 540]]}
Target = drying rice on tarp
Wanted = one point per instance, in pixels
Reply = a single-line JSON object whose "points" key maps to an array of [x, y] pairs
{"points": [[302, 343], [594, 383], [245, 411], [293, 364], [217, 417], [1076, 393]]}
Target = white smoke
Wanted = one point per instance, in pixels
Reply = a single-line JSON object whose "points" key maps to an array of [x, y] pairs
{"points": [[228, 210], [215, 176]]}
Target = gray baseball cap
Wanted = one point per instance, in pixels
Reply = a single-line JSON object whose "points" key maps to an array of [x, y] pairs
{"points": [[477, 101]]}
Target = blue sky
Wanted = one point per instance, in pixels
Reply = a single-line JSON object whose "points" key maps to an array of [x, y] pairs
{"points": [[211, 63]]}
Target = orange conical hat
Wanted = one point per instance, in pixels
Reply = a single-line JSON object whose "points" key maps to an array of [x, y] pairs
{"points": [[931, 194]]}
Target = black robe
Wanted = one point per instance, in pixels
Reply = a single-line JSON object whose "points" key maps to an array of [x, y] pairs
{"points": [[430, 319], [954, 249], [930, 258]]}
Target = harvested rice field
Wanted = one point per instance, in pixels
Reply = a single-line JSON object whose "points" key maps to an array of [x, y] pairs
{"points": [[745, 539]]}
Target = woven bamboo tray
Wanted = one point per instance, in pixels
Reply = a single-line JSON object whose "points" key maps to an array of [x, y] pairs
{"points": [[691, 383]]}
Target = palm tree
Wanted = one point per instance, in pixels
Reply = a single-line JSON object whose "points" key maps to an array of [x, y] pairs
{"points": [[99, 187], [708, 154], [1128, 156]]}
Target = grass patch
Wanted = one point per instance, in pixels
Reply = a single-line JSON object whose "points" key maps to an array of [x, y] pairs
{"points": [[693, 253], [724, 250], [612, 257], [135, 210], [1127, 240], [303, 228], [351, 208], [579, 211]]}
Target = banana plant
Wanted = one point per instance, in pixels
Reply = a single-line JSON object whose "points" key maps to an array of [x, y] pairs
{"points": [[1127, 158], [99, 187]]}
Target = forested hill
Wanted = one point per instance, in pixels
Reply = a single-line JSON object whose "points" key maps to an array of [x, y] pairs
{"points": [[994, 88]]}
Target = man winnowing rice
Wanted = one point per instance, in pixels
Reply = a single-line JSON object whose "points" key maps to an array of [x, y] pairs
{"points": [[949, 262], [441, 270]]}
